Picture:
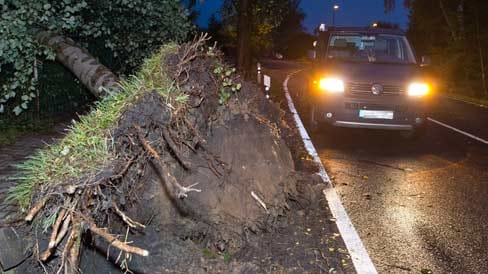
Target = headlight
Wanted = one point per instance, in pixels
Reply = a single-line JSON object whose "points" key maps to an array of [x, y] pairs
{"points": [[418, 89], [332, 85]]}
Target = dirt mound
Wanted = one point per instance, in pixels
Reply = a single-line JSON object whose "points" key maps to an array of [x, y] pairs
{"points": [[242, 163], [206, 176]]}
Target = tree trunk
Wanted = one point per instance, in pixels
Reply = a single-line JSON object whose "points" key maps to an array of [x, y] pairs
{"points": [[244, 36], [93, 75], [481, 56], [448, 21], [460, 15]]}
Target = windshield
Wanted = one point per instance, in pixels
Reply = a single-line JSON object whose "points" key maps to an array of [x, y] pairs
{"points": [[378, 48]]}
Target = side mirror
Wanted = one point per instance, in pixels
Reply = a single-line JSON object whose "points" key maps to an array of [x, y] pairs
{"points": [[426, 61], [312, 54]]}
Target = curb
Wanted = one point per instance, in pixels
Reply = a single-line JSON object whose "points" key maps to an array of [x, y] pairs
{"points": [[360, 258]]}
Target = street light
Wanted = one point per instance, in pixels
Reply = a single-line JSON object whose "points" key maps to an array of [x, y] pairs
{"points": [[334, 10], [374, 25]]}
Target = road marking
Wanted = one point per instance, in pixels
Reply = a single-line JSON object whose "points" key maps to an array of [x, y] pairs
{"points": [[458, 130], [360, 258]]}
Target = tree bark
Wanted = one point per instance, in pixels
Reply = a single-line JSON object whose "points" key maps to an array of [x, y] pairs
{"points": [[93, 75], [244, 36]]}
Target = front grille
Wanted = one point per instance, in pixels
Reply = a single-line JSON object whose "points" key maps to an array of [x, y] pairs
{"points": [[365, 89]]}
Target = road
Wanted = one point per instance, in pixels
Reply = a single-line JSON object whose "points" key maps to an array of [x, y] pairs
{"points": [[15, 154], [416, 204]]}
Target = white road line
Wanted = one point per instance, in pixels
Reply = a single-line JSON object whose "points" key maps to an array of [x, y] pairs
{"points": [[458, 130], [360, 258]]}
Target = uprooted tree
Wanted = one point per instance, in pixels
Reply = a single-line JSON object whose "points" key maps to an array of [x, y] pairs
{"points": [[183, 156], [122, 33]]}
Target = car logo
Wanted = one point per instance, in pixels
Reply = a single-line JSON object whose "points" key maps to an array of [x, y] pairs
{"points": [[377, 89]]}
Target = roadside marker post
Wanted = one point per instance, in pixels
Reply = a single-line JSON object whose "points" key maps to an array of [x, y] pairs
{"points": [[259, 73], [264, 80], [267, 85]]}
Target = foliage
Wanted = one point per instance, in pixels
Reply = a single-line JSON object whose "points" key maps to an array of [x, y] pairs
{"points": [[387, 25], [207, 253], [87, 148], [227, 256], [390, 4], [227, 78], [273, 24], [290, 37], [449, 31], [123, 32]]}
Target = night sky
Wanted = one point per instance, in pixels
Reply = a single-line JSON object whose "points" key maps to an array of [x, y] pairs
{"points": [[352, 12]]}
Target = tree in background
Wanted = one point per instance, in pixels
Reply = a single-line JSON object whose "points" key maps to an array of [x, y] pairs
{"points": [[255, 28], [290, 37], [121, 33], [390, 4], [387, 25], [244, 31], [450, 31]]}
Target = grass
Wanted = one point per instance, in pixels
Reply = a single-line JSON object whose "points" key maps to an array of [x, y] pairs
{"points": [[87, 148], [209, 254]]}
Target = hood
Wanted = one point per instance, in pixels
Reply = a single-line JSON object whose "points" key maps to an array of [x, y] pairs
{"points": [[388, 74]]}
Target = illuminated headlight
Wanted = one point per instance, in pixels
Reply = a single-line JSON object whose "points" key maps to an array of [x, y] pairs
{"points": [[332, 85], [418, 89]]}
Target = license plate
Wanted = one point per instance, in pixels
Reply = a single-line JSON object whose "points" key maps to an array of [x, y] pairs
{"points": [[376, 114]]}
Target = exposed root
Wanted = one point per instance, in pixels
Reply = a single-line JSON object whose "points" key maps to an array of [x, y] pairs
{"points": [[58, 238], [190, 52], [36, 208], [126, 219], [125, 169], [64, 255], [63, 231], [57, 224], [167, 137], [74, 249], [261, 203], [181, 191], [116, 242]]}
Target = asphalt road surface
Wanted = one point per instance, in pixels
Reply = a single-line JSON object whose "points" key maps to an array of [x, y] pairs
{"points": [[418, 205]]}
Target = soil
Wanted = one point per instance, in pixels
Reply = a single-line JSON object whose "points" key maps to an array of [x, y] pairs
{"points": [[258, 207]]}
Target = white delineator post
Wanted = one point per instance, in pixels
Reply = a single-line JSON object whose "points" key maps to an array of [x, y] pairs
{"points": [[267, 85]]}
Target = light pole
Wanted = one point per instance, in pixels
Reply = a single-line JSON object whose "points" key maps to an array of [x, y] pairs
{"points": [[335, 8]]}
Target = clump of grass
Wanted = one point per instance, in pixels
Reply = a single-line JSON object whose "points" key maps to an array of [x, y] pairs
{"points": [[209, 254], [87, 148]]}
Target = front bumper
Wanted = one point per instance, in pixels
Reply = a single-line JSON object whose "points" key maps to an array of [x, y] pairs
{"points": [[343, 111], [372, 125]]}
